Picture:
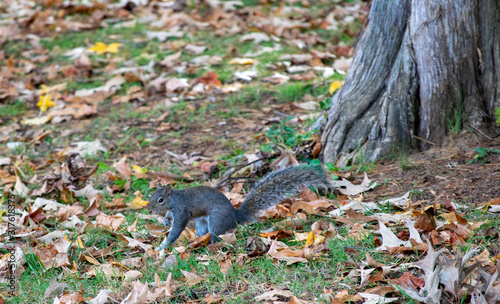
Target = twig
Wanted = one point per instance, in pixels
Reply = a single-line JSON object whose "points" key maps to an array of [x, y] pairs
{"points": [[236, 169], [234, 183], [424, 140], [479, 131]]}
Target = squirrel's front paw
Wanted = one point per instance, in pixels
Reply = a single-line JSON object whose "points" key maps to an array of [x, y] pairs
{"points": [[163, 245], [166, 222]]}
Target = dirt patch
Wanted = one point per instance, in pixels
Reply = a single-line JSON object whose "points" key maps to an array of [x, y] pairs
{"points": [[443, 171]]}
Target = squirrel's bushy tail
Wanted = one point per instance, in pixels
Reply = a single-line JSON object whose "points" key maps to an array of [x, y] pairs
{"points": [[277, 186]]}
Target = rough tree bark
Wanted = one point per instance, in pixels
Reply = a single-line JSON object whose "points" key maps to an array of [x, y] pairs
{"points": [[419, 66]]}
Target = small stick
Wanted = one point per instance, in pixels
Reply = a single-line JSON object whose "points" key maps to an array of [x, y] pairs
{"points": [[232, 171], [479, 131], [424, 140]]}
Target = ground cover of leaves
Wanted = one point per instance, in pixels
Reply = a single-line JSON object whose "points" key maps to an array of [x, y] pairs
{"points": [[100, 101]]}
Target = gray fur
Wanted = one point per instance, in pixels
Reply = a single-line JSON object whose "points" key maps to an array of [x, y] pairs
{"points": [[214, 213]]}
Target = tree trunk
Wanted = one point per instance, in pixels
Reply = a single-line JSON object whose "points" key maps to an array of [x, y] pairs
{"points": [[421, 68]]}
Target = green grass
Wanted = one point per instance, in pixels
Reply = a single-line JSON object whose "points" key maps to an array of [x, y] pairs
{"points": [[8, 111], [311, 277]]}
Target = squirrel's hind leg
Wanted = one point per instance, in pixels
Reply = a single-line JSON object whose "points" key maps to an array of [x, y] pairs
{"points": [[201, 226], [220, 221]]}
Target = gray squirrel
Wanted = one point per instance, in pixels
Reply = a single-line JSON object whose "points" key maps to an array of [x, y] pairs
{"points": [[214, 213]]}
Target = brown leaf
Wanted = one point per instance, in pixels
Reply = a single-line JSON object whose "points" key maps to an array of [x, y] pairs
{"points": [[115, 203], [192, 278], [50, 257], [380, 290], [279, 235], [272, 295], [202, 241], [91, 260], [210, 79], [67, 211], [359, 217], [94, 208], [357, 232], [75, 297], [123, 168], [38, 215], [311, 207], [111, 222], [425, 222], [308, 195], [288, 255]]}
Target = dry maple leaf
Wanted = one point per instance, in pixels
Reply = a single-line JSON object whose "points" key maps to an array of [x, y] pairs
{"points": [[102, 48], [75, 297], [45, 102], [288, 255], [122, 168], [192, 278], [111, 222], [272, 295], [209, 79]]}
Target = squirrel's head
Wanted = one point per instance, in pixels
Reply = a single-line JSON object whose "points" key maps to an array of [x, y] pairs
{"points": [[159, 201]]}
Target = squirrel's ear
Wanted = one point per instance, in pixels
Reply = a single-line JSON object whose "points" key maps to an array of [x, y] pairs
{"points": [[168, 190], [158, 187]]}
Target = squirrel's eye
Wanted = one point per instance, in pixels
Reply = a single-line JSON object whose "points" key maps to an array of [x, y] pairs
{"points": [[160, 200]]}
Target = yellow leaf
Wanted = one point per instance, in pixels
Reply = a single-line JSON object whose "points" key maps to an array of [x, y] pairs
{"points": [[335, 86], [139, 169], [310, 239], [2, 212], [113, 47], [45, 102], [242, 61], [101, 48], [138, 203], [79, 242]]}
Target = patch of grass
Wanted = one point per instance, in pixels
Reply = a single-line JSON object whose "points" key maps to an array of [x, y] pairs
{"points": [[286, 134], [456, 119], [402, 157], [71, 40], [12, 110], [247, 95], [85, 84], [295, 91]]}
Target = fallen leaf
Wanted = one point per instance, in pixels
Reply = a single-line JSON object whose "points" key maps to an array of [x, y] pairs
{"points": [[102, 48], [242, 61], [192, 278], [334, 86], [272, 295], [111, 222], [45, 102], [138, 203]]}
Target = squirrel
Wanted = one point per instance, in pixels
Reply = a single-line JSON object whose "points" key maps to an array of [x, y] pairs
{"points": [[214, 213]]}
